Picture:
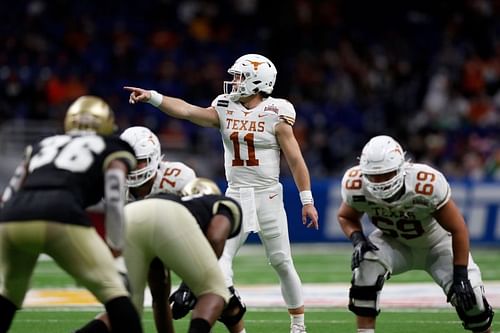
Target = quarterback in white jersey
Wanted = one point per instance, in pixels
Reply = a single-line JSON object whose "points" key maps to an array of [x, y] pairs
{"points": [[255, 128], [418, 226]]}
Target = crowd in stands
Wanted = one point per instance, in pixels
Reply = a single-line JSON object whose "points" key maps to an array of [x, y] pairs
{"points": [[427, 73]]}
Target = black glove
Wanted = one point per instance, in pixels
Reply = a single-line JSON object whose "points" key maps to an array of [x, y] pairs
{"points": [[461, 293], [361, 246], [182, 301]]}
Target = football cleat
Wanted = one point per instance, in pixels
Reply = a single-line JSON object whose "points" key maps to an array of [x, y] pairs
{"points": [[296, 328]]}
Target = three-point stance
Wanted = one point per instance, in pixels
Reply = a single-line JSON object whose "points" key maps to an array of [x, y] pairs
{"points": [[418, 226], [62, 175]]}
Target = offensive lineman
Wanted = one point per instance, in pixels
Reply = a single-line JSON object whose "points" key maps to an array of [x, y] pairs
{"points": [[44, 212], [418, 226], [152, 175], [255, 128]]}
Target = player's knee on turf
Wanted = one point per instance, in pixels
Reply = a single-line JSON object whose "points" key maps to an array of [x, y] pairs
{"points": [[479, 318], [234, 310], [366, 284]]}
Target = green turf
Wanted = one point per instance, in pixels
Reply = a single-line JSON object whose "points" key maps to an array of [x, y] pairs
{"points": [[257, 320], [317, 264]]}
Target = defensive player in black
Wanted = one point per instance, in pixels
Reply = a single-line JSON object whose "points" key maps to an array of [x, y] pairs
{"points": [[44, 212], [183, 300], [179, 246]]}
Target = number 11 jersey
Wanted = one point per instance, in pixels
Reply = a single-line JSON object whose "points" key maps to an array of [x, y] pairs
{"points": [[251, 149]]}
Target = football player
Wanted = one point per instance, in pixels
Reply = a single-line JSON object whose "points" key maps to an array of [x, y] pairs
{"points": [[255, 128], [45, 213], [202, 197], [418, 227], [153, 173], [183, 299]]}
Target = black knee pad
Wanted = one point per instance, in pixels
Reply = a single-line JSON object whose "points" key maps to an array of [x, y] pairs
{"points": [[234, 310], [477, 322], [365, 293]]}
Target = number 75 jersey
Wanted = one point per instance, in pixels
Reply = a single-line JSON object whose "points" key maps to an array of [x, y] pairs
{"points": [[410, 218], [251, 149]]}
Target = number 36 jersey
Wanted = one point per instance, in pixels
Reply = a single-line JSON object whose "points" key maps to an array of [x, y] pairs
{"points": [[410, 218], [251, 149], [65, 175]]}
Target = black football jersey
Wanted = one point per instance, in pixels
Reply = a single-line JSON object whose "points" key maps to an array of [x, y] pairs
{"points": [[65, 175], [203, 208]]}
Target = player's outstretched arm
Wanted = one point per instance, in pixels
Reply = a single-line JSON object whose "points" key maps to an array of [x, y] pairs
{"points": [[175, 107]]}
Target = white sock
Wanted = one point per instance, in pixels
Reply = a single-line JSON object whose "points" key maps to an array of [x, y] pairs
{"points": [[297, 319], [366, 330], [243, 331]]}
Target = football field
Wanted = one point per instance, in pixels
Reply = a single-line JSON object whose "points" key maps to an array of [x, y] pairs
{"points": [[410, 302]]}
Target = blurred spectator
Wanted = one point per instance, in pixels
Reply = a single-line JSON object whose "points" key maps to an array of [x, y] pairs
{"points": [[428, 74]]}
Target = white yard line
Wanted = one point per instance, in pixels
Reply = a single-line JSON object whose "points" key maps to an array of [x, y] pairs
{"points": [[394, 296]]}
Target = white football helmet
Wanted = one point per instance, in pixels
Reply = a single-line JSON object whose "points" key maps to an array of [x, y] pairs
{"points": [[251, 73], [146, 147], [382, 155], [200, 186]]}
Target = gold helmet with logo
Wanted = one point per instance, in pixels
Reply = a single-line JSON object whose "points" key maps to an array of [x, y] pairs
{"points": [[200, 186], [89, 114]]}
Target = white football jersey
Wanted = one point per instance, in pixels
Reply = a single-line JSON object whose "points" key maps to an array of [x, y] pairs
{"points": [[172, 177], [409, 219], [251, 150]]}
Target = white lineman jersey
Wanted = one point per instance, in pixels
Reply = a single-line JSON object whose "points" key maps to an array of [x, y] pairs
{"points": [[251, 149], [409, 219], [171, 177]]}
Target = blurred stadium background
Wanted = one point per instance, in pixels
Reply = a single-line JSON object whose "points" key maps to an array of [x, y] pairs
{"points": [[427, 73]]}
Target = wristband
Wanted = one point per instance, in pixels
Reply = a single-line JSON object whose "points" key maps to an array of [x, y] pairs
{"points": [[357, 237], [306, 198], [155, 99], [460, 273]]}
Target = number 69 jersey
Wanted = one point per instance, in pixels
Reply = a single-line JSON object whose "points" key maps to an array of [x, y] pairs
{"points": [[410, 218], [251, 150]]}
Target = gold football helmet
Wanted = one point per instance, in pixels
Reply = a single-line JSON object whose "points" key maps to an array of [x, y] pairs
{"points": [[200, 186], [90, 114]]}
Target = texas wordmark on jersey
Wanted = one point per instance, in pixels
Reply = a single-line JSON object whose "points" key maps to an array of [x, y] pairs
{"points": [[408, 219], [251, 150]]}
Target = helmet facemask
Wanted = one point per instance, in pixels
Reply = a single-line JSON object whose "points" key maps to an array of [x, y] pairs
{"points": [[382, 165], [147, 151], [252, 73], [385, 189]]}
